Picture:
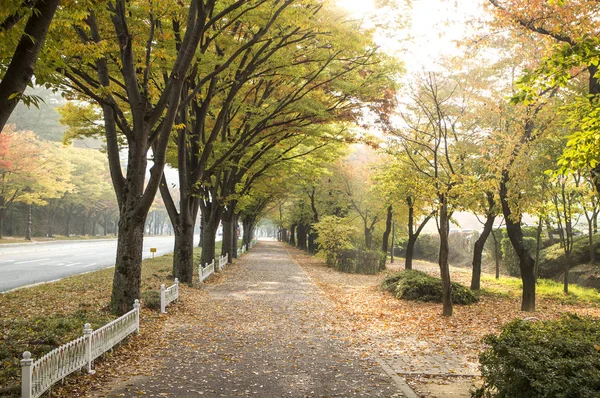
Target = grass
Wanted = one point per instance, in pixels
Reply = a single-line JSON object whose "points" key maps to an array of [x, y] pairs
{"points": [[545, 288], [43, 317]]}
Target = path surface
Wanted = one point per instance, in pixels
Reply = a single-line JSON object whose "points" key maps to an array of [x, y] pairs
{"points": [[29, 263], [264, 332]]}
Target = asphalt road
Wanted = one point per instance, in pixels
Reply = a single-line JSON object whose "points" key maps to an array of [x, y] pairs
{"points": [[26, 264]]}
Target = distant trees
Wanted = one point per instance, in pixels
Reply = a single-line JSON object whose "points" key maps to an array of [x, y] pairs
{"points": [[67, 187]]}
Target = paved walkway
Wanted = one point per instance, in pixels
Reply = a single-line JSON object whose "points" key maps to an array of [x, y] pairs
{"points": [[264, 332]]}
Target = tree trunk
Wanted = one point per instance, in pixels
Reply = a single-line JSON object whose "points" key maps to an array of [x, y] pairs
{"points": [[515, 234], [22, 63], [368, 235], [478, 251], [2, 216], [28, 222], [444, 231], [410, 251], [201, 230], [183, 252], [387, 232], [293, 235], [497, 254], [208, 241], [591, 242], [128, 264], [302, 236], [229, 244], [538, 247], [413, 234]]}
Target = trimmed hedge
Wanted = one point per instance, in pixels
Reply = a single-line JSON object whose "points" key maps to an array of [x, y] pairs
{"points": [[360, 261], [418, 286], [543, 359]]}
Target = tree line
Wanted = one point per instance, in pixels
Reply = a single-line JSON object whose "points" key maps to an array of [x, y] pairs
{"points": [[228, 92]]}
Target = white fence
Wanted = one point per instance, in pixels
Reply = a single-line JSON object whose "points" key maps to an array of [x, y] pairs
{"points": [[223, 261], [39, 376], [168, 295], [206, 271]]}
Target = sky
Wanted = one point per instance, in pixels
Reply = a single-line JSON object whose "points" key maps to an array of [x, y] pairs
{"points": [[435, 27]]}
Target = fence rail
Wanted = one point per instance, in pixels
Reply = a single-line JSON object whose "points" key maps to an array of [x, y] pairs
{"points": [[38, 376], [206, 271], [168, 295]]}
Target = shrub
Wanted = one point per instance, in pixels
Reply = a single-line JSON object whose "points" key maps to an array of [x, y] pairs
{"points": [[359, 261], [510, 258], [552, 259], [419, 286], [151, 299], [334, 234], [543, 359]]}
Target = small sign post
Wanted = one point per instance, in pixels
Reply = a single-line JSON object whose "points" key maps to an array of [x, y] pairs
{"points": [[153, 250]]}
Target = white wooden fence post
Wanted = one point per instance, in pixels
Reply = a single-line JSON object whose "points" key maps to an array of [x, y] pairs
{"points": [[26, 363], [177, 289], [136, 306], [87, 333], [163, 299]]}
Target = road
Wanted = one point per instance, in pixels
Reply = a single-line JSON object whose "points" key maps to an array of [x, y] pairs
{"points": [[22, 265]]}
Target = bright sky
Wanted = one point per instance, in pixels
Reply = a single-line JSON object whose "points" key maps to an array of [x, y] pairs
{"points": [[435, 26]]}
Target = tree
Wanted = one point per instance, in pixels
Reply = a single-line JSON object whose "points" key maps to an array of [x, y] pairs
{"points": [[410, 192], [31, 171], [29, 36], [575, 32], [131, 60], [354, 179], [434, 139]]}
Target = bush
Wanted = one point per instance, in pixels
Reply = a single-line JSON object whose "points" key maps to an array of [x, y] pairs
{"points": [[151, 299], [510, 258], [359, 261], [333, 235], [543, 359], [552, 259], [419, 286]]}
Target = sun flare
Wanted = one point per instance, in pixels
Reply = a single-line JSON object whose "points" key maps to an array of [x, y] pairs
{"points": [[357, 6]]}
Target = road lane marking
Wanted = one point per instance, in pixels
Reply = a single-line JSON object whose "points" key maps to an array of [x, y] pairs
{"points": [[32, 261], [71, 264], [7, 261], [88, 265]]}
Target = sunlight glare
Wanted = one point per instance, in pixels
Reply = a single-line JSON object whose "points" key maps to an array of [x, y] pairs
{"points": [[357, 6]]}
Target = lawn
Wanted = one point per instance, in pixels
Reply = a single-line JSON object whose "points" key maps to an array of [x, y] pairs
{"points": [[40, 318]]}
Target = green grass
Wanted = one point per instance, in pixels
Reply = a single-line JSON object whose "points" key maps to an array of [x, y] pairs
{"points": [[545, 288]]}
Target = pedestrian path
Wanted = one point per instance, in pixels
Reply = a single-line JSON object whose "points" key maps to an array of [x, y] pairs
{"points": [[262, 332]]}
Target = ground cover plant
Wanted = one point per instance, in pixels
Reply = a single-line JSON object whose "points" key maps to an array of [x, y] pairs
{"points": [[420, 286], [556, 358]]}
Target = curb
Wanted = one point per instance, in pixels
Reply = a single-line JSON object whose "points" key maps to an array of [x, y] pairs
{"points": [[399, 381]]}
